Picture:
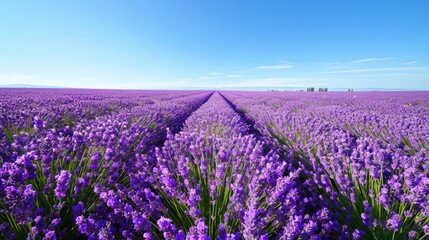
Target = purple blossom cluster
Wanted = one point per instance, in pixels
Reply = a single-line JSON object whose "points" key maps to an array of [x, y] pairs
{"points": [[110, 164]]}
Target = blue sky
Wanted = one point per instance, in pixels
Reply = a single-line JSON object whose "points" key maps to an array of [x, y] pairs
{"points": [[215, 44]]}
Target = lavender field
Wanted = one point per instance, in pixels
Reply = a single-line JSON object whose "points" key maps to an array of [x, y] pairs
{"points": [[116, 164]]}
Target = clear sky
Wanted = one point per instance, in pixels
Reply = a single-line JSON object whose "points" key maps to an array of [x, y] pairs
{"points": [[215, 44]]}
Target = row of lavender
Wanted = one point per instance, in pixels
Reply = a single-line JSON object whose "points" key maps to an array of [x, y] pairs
{"points": [[362, 156], [218, 183], [66, 154]]}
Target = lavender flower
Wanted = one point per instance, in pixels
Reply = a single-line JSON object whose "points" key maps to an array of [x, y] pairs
{"points": [[63, 184], [394, 223], [167, 227]]}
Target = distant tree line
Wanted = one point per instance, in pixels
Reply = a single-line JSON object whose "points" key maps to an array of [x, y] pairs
{"points": [[311, 89]]}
